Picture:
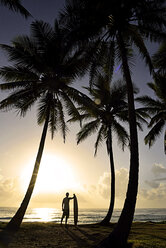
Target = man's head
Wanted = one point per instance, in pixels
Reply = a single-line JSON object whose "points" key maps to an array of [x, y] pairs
{"points": [[67, 194]]}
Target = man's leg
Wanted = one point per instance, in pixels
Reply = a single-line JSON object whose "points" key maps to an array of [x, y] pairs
{"points": [[62, 217], [66, 220], [67, 216]]}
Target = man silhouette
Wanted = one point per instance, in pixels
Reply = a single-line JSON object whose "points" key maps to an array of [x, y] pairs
{"points": [[65, 207]]}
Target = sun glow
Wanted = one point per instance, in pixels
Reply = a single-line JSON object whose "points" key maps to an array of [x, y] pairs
{"points": [[55, 175]]}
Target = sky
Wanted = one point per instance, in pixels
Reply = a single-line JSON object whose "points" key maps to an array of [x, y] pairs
{"points": [[70, 167]]}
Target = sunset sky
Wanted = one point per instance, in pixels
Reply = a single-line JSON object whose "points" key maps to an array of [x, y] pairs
{"points": [[68, 167]]}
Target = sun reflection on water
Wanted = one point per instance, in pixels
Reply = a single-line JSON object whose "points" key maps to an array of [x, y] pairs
{"points": [[43, 214]]}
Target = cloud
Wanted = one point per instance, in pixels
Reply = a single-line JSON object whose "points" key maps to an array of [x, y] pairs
{"points": [[92, 189], [8, 190], [155, 196], [121, 180], [161, 179], [122, 177], [152, 184], [158, 169], [104, 185], [158, 193]]}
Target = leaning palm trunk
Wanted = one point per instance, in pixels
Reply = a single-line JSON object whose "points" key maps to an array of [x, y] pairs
{"points": [[16, 221], [107, 218], [118, 237]]}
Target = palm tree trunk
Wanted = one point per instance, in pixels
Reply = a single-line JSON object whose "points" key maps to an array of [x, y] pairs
{"points": [[107, 218], [16, 221], [118, 237]]}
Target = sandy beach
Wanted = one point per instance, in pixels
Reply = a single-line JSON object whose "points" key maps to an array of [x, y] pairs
{"points": [[51, 235]]}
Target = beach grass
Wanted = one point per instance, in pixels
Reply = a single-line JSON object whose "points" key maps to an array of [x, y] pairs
{"points": [[148, 235], [52, 235]]}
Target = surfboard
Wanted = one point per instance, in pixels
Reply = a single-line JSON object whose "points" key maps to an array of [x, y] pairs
{"points": [[75, 208]]}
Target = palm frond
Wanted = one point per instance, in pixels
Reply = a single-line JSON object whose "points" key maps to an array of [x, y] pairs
{"points": [[149, 102], [154, 133], [99, 59], [100, 137], [16, 6], [142, 115], [17, 73], [161, 115], [81, 118], [159, 58], [87, 130], [61, 120], [42, 32], [139, 43], [71, 108], [43, 107], [78, 97], [122, 135], [24, 52], [152, 21], [24, 104], [159, 87], [53, 117], [21, 100], [9, 102]]}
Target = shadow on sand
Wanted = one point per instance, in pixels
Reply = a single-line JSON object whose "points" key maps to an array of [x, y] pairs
{"points": [[79, 239], [6, 238]]}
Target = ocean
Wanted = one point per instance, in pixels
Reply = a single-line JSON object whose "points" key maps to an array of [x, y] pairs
{"points": [[86, 216]]}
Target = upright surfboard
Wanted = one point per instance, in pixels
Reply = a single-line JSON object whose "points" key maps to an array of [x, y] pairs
{"points": [[75, 208]]}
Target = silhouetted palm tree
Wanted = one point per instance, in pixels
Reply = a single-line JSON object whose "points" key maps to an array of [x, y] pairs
{"points": [[15, 6], [106, 109], [128, 23], [156, 108], [44, 66]]}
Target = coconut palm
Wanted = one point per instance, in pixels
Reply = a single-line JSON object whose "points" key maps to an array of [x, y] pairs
{"points": [[44, 66], [15, 6], [128, 23], [105, 110], [156, 108]]}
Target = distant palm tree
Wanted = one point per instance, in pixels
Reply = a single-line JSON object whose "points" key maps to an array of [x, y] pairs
{"points": [[106, 109], [44, 66], [156, 108], [15, 6], [128, 23]]}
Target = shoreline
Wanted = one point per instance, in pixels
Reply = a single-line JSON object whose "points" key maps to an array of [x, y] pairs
{"points": [[53, 235]]}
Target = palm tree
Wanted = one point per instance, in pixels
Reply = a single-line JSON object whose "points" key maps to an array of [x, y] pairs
{"points": [[106, 108], [44, 66], [15, 6], [156, 108], [128, 23]]}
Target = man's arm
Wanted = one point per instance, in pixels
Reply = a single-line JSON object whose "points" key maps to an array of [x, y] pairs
{"points": [[70, 198]]}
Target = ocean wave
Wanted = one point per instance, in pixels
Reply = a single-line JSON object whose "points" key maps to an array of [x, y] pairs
{"points": [[86, 216]]}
